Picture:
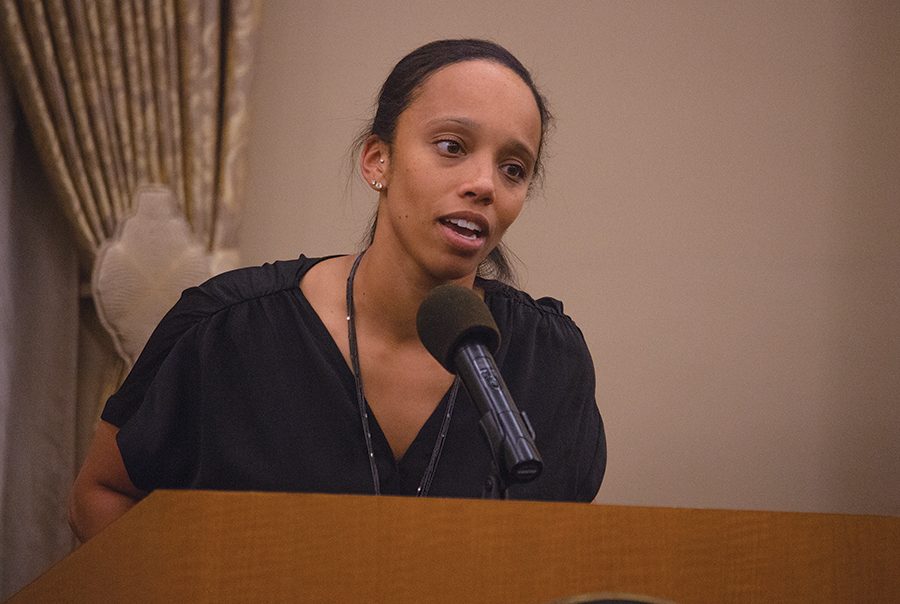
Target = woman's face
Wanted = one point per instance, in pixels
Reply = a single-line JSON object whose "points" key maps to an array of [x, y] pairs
{"points": [[458, 172]]}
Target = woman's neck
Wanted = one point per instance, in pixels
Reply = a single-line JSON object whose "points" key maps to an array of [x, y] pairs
{"points": [[387, 293]]}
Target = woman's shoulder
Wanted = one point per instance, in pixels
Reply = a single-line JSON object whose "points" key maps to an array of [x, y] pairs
{"points": [[530, 321], [248, 283], [177, 334], [224, 292], [504, 298]]}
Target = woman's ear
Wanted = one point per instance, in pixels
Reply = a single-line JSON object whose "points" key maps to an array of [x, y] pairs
{"points": [[373, 163]]}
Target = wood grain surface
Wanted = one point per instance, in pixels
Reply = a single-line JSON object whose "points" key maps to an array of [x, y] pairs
{"points": [[270, 547]]}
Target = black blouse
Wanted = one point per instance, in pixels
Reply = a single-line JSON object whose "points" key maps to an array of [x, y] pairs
{"points": [[241, 387]]}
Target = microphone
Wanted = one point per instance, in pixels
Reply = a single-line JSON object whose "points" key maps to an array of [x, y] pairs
{"points": [[458, 330]]}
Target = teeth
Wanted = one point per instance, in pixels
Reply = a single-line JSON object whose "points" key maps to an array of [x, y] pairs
{"points": [[465, 224]]}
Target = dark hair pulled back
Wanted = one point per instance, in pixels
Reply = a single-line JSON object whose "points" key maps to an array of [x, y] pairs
{"points": [[407, 78]]}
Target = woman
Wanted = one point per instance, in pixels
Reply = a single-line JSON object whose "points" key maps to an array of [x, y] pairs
{"points": [[309, 375]]}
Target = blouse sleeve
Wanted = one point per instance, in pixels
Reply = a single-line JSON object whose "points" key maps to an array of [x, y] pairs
{"points": [[549, 370], [156, 407], [160, 442], [172, 389], [192, 309], [580, 417], [591, 464]]}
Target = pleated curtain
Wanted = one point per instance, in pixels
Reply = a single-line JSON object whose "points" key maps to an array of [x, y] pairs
{"points": [[118, 94]]}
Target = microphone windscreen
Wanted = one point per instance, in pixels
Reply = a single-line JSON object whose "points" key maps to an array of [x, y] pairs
{"points": [[451, 315]]}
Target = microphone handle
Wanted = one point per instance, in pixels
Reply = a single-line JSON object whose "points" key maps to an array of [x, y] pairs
{"points": [[508, 431]]}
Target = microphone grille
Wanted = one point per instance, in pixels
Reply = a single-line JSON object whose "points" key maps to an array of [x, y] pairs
{"points": [[450, 315]]}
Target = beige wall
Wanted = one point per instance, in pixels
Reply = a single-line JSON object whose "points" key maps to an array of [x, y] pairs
{"points": [[721, 216]]}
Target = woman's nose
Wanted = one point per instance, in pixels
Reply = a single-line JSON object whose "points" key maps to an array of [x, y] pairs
{"points": [[479, 183]]}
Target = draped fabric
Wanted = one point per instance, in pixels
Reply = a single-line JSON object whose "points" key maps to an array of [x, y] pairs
{"points": [[145, 91], [38, 363], [119, 94]]}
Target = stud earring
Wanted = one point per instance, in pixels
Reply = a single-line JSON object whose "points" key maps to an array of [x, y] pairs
{"points": [[379, 186], [381, 160]]}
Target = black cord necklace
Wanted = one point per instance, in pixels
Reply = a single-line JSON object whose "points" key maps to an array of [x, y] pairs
{"points": [[428, 476]]}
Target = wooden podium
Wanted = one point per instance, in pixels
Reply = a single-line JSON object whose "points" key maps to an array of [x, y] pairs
{"points": [[270, 547]]}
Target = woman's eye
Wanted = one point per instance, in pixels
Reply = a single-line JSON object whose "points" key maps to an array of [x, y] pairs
{"points": [[451, 147], [514, 171]]}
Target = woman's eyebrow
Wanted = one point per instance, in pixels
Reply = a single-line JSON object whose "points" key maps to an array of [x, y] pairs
{"points": [[462, 121], [520, 148]]}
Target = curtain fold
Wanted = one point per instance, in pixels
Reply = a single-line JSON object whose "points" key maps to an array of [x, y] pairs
{"points": [[118, 94], [38, 369], [235, 120], [123, 93]]}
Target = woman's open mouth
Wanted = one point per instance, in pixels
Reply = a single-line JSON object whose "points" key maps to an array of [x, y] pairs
{"points": [[467, 233], [463, 227]]}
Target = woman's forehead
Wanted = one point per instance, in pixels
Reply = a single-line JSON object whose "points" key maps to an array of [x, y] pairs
{"points": [[478, 91]]}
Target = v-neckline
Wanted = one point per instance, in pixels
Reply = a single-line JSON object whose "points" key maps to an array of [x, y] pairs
{"points": [[431, 425]]}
